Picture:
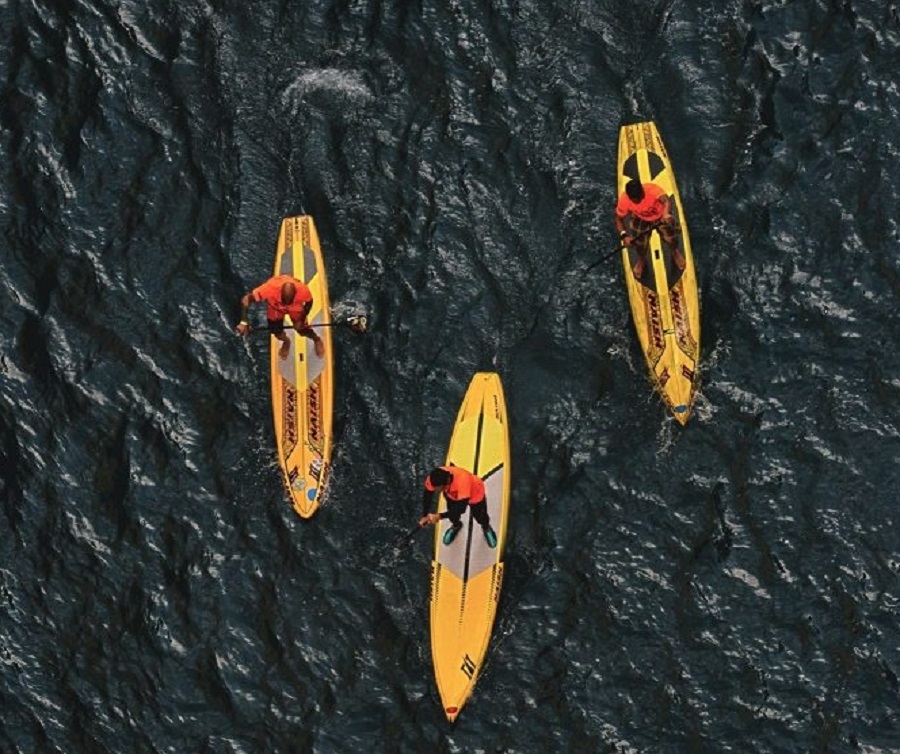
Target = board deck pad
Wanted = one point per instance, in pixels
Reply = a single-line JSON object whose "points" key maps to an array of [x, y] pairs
{"points": [[467, 574], [303, 384], [476, 556], [664, 302]]}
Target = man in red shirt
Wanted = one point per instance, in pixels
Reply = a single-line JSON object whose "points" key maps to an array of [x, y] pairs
{"points": [[462, 489], [641, 208], [284, 295]]}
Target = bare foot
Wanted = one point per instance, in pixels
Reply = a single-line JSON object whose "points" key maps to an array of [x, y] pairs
{"points": [[678, 259], [284, 350], [320, 348], [638, 268]]}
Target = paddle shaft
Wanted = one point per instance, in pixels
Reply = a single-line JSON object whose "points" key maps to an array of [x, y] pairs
{"points": [[610, 255], [404, 538], [343, 323], [321, 324]]}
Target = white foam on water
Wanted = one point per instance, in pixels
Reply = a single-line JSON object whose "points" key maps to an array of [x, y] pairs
{"points": [[349, 85]]}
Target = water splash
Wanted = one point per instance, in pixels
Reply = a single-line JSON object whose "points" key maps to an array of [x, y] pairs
{"points": [[328, 84]]}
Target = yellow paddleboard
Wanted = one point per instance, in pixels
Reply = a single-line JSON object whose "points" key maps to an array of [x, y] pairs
{"points": [[467, 574], [303, 384], [665, 303]]}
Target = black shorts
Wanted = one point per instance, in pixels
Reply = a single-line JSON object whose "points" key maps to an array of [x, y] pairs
{"points": [[641, 229], [276, 326], [455, 511]]}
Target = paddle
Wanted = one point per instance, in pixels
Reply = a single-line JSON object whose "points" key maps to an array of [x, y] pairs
{"points": [[358, 323], [610, 255], [406, 537]]}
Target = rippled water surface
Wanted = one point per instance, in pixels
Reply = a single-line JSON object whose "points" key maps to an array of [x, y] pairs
{"points": [[727, 587]]}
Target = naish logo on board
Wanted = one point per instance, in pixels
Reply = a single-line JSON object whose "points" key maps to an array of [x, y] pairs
{"points": [[288, 236], [322, 474], [314, 407], [434, 580], [631, 141], [682, 324], [655, 319], [648, 133], [315, 468], [677, 310], [496, 407], [654, 324], [304, 232], [295, 481], [498, 582], [289, 418]]}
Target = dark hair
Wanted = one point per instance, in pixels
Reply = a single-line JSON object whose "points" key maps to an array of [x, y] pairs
{"points": [[288, 293], [439, 477], [635, 190]]}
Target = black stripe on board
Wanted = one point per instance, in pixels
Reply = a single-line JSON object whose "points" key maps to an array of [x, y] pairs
{"points": [[471, 519]]}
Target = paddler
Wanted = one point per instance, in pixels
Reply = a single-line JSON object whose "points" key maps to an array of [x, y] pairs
{"points": [[641, 208], [284, 295], [462, 489]]}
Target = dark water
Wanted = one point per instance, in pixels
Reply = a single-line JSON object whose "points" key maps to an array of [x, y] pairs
{"points": [[730, 587]]}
